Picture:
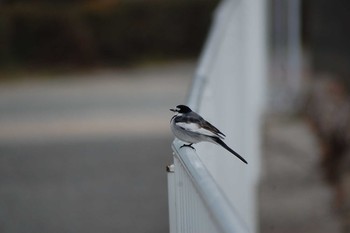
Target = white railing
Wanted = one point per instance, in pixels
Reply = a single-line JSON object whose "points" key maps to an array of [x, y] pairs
{"points": [[197, 203], [209, 189]]}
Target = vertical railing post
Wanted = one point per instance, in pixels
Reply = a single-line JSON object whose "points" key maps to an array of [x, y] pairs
{"points": [[172, 198]]}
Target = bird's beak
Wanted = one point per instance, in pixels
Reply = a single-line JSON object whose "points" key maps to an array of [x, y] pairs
{"points": [[173, 110]]}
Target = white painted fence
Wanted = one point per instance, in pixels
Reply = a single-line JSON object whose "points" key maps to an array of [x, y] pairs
{"points": [[209, 189]]}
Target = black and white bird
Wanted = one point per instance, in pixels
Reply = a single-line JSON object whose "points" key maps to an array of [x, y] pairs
{"points": [[190, 127]]}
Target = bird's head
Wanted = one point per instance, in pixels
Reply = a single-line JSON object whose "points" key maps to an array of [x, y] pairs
{"points": [[181, 109]]}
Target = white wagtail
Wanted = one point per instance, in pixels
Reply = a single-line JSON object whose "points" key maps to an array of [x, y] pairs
{"points": [[190, 127]]}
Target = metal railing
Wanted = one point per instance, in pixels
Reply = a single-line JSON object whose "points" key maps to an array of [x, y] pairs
{"points": [[209, 190], [197, 204]]}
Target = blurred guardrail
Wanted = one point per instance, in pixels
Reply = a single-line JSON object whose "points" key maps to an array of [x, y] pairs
{"points": [[210, 190]]}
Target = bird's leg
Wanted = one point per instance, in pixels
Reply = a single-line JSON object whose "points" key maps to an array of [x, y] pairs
{"points": [[189, 145]]}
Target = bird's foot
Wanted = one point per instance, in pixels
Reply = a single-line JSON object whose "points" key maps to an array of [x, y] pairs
{"points": [[188, 145]]}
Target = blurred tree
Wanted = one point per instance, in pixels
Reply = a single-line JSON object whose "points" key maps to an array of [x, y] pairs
{"points": [[109, 32]]}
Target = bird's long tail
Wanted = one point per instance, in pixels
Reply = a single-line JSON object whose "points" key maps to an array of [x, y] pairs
{"points": [[221, 143]]}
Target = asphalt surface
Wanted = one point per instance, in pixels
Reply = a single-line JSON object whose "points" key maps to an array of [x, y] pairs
{"points": [[87, 152]]}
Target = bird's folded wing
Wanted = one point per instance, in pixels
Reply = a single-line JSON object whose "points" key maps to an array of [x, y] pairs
{"points": [[196, 128], [206, 125]]}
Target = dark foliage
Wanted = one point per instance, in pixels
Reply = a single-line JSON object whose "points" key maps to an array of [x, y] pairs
{"points": [[85, 33]]}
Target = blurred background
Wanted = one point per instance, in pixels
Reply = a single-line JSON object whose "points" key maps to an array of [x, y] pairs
{"points": [[305, 184], [85, 88], [85, 92]]}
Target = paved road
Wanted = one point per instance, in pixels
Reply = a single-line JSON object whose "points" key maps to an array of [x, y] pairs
{"points": [[87, 153]]}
